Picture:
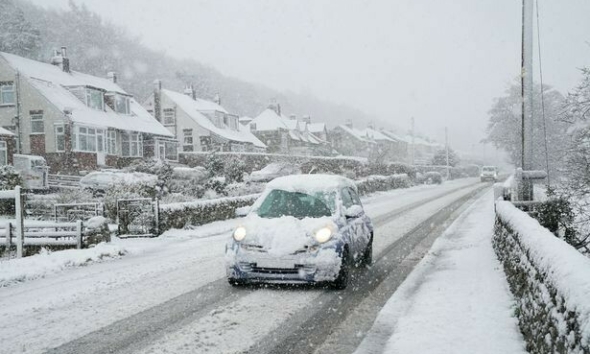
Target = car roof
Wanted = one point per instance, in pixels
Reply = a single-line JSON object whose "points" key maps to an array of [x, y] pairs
{"points": [[311, 183]]}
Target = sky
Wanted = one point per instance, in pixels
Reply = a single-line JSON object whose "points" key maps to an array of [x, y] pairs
{"points": [[441, 62]]}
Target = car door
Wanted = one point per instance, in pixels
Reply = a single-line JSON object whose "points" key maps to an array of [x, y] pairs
{"points": [[364, 227], [353, 225]]}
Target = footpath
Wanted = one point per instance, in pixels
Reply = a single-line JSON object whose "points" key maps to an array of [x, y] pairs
{"points": [[456, 300]]}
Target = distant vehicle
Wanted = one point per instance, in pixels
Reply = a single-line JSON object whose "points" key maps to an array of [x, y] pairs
{"points": [[274, 170], [302, 229], [489, 173], [33, 170], [100, 181]]}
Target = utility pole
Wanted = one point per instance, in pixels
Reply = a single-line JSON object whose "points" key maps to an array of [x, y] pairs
{"points": [[17, 117], [526, 189], [447, 148]]}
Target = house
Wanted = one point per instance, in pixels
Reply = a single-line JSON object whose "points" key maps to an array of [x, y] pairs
{"points": [[7, 146], [200, 125], [286, 135], [75, 120], [422, 149], [396, 146], [349, 141], [319, 129]]}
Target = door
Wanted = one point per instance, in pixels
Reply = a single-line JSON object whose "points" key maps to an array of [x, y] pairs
{"points": [[353, 226], [100, 149], [162, 150]]}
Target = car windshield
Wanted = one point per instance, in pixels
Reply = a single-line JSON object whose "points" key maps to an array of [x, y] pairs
{"points": [[300, 205], [489, 169]]}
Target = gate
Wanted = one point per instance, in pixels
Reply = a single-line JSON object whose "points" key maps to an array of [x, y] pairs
{"points": [[138, 217]]}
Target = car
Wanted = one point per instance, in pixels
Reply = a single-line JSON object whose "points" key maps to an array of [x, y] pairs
{"points": [[99, 181], [302, 229], [274, 170], [489, 173]]}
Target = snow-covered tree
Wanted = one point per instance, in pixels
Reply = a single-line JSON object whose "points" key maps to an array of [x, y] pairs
{"points": [[504, 126], [17, 35], [440, 158]]}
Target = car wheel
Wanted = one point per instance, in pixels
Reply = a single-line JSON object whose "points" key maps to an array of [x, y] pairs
{"points": [[341, 281], [368, 255], [235, 282]]}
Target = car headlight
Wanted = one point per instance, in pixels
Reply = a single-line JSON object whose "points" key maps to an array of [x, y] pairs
{"points": [[322, 235], [240, 233]]}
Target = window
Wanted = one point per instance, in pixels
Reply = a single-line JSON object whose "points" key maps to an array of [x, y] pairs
{"points": [[187, 140], [7, 95], [122, 104], [99, 140], [95, 99], [60, 138], [112, 142], [3, 153], [88, 139], [132, 145], [171, 151], [169, 118], [37, 126], [346, 199]]}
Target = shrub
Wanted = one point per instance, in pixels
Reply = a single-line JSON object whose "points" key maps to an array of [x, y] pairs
{"points": [[160, 168], [126, 191], [214, 165], [382, 183], [9, 179], [234, 171], [433, 177]]}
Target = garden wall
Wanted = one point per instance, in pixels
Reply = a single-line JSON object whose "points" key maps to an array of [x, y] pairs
{"points": [[550, 281]]}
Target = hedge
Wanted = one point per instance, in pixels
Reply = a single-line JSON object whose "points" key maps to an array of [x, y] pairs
{"points": [[180, 215], [550, 281]]}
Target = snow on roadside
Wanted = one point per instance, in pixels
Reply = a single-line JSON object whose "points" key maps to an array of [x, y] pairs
{"points": [[22, 269], [456, 300]]}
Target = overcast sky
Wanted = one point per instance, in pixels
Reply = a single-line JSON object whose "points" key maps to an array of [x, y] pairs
{"points": [[441, 62]]}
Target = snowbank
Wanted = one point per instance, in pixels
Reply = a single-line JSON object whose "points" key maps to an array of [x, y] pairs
{"points": [[22, 269], [550, 281]]}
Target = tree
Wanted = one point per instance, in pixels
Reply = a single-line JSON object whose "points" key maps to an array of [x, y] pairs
{"points": [[17, 35], [440, 158], [504, 126]]}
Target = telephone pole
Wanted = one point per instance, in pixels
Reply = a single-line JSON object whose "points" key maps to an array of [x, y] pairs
{"points": [[447, 148]]}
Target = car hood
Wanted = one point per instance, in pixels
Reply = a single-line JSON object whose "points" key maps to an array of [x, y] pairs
{"points": [[284, 235]]}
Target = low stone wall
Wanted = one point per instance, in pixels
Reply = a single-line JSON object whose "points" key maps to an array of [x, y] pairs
{"points": [[550, 281]]}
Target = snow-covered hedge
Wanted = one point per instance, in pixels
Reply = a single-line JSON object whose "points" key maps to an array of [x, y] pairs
{"points": [[550, 281], [382, 183], [179, 215]]}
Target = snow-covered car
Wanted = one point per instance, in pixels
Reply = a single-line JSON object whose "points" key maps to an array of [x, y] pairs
{"points": [[302, 229], [489, 173], [99, 181], [274, 170]]}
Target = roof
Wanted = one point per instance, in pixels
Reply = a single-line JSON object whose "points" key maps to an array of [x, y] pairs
{"points": [[310, 183], [356, 133], [193, 109], [317, 127], [208, 106], [269, 120], [51, 82], [5, 132]]}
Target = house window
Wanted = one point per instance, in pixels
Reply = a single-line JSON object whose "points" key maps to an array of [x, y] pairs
{"points": [[122, 104], [60, 138], [88, 139], [169, 116], [3, 153], [7, 95], [132, 145], [187, 140], [95, 99], [112, 142], [100, 140], [171, 151], [37, 126]]}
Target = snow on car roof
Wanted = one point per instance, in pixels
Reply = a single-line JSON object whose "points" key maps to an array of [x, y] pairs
{"points": [[310, 183]]}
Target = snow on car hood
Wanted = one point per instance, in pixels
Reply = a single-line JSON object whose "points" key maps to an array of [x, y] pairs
{"points": [[284, 235]]}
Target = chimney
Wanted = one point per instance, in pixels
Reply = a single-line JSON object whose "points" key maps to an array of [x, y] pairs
{"points": [[348, 123], [190, 92], [293, 117], [158, 100], [65, 61], [306, 119], [275, 106], [217, 99], [111, 75]]}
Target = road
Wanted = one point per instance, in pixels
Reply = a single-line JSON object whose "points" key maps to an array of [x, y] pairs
{"points": [[174, 298]]}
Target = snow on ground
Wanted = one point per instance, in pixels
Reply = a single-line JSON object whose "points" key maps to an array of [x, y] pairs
{"points": [[456, 300]]}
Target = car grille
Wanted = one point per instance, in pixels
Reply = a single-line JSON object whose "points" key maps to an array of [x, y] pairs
{"points": [[258, 248], [253, 268]]}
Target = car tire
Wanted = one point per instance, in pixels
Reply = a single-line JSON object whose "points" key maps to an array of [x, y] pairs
{"points": [[341, 281], [235, 282], [368, 254]]}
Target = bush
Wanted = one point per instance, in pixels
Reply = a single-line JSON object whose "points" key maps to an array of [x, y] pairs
{"points": [[160, 168], [433, 178], [214, 165], [126, 191], [382, 183], [9, 179], [234, 171]]}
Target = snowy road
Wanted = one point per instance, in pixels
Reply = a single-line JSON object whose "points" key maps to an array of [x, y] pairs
{"points": [[172, 297]]}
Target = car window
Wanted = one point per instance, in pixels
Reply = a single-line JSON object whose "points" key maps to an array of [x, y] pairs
{"points": [[355, 197], [347, 201]]}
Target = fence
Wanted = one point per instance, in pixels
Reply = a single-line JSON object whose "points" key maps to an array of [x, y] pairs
{"points": [[138, 217], [77, 211]]}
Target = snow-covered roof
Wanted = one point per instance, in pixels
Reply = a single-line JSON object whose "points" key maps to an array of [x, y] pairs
{"points": [[310, 183], [357, 133], [269, 120], [376, 135], [193, 109], [51, 82], [317, 127], [208, 106], [5, 132]]}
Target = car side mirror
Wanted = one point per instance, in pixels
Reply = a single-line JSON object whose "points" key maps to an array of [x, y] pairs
{"points": [[243, 211], [354, 212]]}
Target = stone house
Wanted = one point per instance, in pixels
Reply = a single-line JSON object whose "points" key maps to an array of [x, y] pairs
{"points": [[75, 120], [287, 135], [200, 125]]}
